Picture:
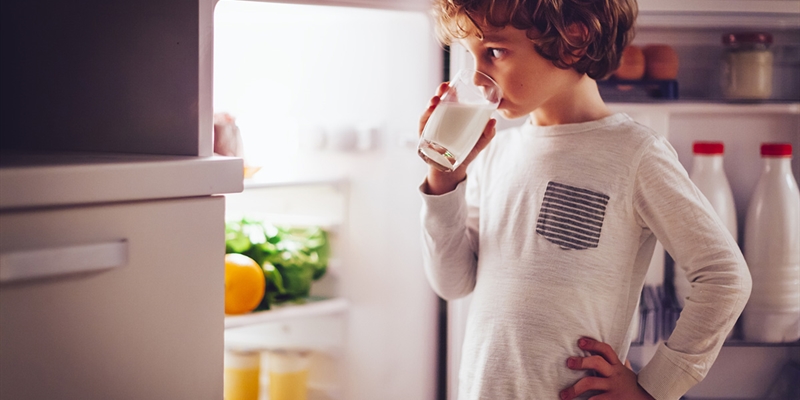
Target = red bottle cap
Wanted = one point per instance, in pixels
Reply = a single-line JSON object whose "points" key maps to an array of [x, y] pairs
{"points": [[776, 150], [708, 148]]}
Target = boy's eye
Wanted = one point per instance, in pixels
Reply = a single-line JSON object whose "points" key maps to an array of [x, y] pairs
{"points": [[496, 53]]}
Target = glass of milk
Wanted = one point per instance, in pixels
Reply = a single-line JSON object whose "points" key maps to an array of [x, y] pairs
{"points": [[458, 120]]}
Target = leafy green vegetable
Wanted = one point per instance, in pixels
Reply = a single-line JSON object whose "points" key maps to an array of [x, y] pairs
{"points": [[291, 258]]}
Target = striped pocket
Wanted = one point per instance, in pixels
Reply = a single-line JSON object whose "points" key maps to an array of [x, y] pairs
{"points": [[571, 217]]}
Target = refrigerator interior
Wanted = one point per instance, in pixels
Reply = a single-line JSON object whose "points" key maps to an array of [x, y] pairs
{"points": [[328, 100]]}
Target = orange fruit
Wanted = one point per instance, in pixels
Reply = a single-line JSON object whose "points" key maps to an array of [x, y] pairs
{"points": [[244, 284]]}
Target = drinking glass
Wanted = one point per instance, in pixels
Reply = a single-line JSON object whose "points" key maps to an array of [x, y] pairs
{"points": [[458, 120]]}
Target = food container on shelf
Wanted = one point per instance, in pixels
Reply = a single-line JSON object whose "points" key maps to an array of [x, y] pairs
{"points": [[242, 369], [747, 64], [288, 374]]}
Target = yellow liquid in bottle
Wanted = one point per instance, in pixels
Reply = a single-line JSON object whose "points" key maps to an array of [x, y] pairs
{"points": [[240, 384], [288, 385]]}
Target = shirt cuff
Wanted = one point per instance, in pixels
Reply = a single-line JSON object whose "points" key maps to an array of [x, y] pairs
{"points": [[664, 379], [447, 209]]}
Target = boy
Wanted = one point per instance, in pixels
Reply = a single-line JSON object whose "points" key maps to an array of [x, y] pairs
{"points": [[552, 225]]}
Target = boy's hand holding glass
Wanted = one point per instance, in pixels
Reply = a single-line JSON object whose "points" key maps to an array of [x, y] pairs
{"points": [[457, 118]]}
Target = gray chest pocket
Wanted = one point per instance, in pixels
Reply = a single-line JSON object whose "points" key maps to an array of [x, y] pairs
{"points": [[571, 217]]}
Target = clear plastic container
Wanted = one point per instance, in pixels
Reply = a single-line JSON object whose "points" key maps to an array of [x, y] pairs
{"points": [[747, 65]]}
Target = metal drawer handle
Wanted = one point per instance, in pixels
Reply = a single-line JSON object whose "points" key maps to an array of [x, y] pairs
{"points": [[57, 261]]}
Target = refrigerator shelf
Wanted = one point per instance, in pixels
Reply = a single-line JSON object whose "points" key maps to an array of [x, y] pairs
{"points": [[693, 107], [262, 182], [738, 343], [315, 307]]}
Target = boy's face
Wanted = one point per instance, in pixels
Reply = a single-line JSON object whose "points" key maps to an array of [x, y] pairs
{"points": [[528, 80]]}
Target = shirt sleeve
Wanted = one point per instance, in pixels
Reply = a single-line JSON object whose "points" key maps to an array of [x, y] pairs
{"points": [[669, 204], [450, 240]]}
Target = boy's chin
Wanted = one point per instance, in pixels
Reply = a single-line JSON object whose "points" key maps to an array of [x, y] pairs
{"points": [[510, 114]]}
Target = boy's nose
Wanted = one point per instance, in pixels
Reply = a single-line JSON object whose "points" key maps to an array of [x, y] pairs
{"points": [[487, 85], [480, 79]]}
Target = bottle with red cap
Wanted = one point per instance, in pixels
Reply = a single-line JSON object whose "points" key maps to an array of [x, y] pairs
{"points": [[709, 176], [772, 250]]}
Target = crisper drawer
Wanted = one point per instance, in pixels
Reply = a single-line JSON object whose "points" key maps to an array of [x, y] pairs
{"points": [[148, 327]]}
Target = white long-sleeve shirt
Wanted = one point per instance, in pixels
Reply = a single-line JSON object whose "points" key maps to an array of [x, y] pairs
{"points": [[552, 232]]}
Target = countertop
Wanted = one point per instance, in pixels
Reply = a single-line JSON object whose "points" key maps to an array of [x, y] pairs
{"points": [[60, 179]]}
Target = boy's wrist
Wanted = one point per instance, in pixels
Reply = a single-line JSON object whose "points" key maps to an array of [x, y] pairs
{"points": [[438, 183]]}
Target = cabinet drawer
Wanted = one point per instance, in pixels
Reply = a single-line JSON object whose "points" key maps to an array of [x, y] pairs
{"points": [[151, 328]]}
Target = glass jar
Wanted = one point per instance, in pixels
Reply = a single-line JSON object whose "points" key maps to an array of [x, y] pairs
{"points": [[241, 379], [747, 65]]}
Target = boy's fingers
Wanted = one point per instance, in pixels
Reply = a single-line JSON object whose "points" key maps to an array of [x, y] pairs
{"points": [[442, 88], [595, 363], [428, 111], [601, 348], [432, 105], [583, 386]]}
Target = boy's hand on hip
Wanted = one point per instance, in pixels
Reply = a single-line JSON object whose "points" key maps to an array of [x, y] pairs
{"points": [[614, 379]]}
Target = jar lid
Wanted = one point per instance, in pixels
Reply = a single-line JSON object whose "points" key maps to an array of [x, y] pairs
{"points": [[736, 38], [708, 148], [776, 149]]}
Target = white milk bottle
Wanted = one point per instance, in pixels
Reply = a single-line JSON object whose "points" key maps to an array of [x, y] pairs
{"points": [[709, 176], [772, 250]]}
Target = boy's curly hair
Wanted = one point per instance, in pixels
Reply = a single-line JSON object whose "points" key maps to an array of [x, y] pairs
{"points": [[607, 27]]}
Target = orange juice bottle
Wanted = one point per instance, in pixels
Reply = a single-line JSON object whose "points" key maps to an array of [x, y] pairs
{"points": [[240, 381], [288, 374]]}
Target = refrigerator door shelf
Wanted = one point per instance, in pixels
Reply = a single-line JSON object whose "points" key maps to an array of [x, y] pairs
{"points": [[321, 333], [707, 108], [738, 7], [310, 204], [315, 307]]}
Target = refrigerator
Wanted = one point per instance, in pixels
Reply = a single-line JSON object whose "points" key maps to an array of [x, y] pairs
{"points": [[111, 218], [327, 95]]}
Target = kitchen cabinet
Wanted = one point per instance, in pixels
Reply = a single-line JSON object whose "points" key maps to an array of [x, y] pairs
{"points": [[111, 227], [139, 330]]}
